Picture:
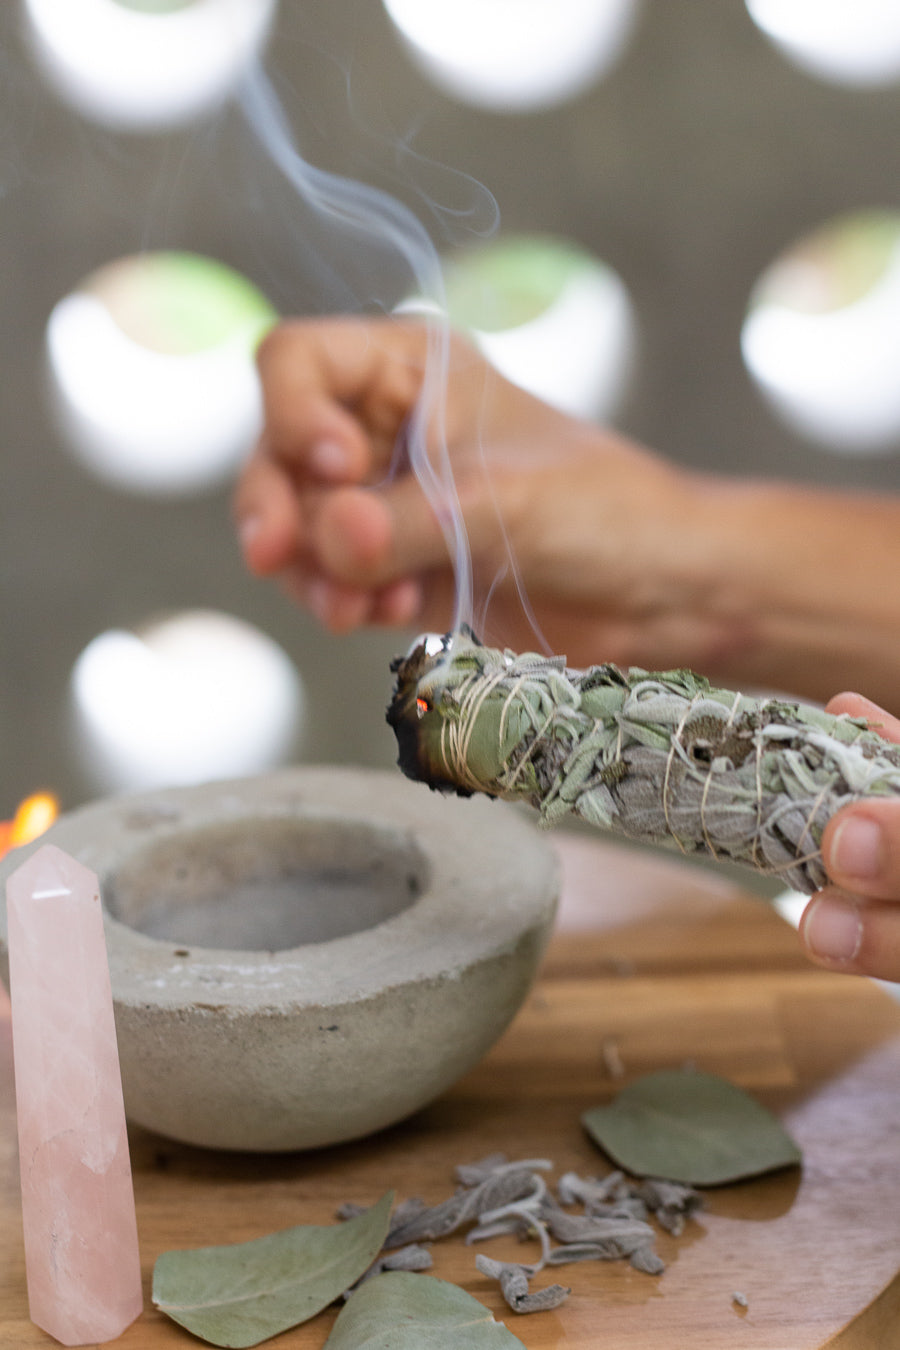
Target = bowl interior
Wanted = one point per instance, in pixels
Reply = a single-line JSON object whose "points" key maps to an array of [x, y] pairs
{"points": [[267, 884]]}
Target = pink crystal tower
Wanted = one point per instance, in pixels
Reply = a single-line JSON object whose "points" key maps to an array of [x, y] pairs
{"points": [[81, 1246]]}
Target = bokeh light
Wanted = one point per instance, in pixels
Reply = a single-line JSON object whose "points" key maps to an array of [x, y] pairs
{"points": [[853, 42], [513, 55], [152, 364], [822, 335], [138, 65], [551, 318], [189, 698], [35, 814]]}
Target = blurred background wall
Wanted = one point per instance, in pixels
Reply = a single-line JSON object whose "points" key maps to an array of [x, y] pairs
{"points": [[680, 160]]}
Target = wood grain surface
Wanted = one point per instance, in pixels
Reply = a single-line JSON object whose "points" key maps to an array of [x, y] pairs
{"points": [[654, 964]]}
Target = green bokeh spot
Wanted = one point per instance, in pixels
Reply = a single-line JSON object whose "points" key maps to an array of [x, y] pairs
{"points": [[512, 281], [850, 255], [177, 303]]}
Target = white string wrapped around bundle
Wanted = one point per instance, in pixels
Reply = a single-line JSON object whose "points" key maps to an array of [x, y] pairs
{"points": [[659, 757]]}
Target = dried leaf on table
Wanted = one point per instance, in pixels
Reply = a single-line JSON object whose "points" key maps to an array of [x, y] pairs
{"points": [[513, 1278], [690, 1127], [243, 1293], [501, 1186], [400, 1311]]}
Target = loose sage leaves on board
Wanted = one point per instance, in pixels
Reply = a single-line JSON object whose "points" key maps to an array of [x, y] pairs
{"points": [[400, 1311], [690, 1127], [243, 1293]]}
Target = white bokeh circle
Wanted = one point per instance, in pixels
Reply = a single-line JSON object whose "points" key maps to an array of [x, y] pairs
{"points": [[852, 42], [514, 55], [822, 334], [190, 698], [151, 363], [143, 68]]}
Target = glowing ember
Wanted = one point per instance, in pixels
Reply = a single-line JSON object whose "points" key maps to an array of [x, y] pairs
{"points": [[33, 816]]}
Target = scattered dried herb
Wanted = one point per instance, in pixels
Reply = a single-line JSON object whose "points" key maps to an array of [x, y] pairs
{"points": [[399, 1311], [503, 1185], [612, 1227], [412, 1257], [647, 1260], [691, 1123], [513, 1279], [663, 758], [691, 1127], [671, 1202], [241, 1294]]}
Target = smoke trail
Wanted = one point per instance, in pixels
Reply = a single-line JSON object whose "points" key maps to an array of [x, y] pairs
{"points": [[374, 219]]}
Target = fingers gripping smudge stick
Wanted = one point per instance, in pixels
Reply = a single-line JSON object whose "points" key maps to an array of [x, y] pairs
{"points": [[662, 757]]}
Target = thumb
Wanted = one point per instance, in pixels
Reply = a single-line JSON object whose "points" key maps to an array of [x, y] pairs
{"points": [[861, 848], [373, 536]]}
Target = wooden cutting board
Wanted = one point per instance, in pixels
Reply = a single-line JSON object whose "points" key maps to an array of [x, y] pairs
{"points": [[655, 964]]}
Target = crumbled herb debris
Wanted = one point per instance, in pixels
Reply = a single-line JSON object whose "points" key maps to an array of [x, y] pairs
{"points": [[496, 1197], [513, 1279], [242, 1294]]}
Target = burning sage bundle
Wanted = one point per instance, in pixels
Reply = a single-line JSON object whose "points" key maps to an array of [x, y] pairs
{"points": [[660, 757]]}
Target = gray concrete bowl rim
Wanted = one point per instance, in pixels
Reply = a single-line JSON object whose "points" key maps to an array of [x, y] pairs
{"points": [[314, 1043], [120, 824]]}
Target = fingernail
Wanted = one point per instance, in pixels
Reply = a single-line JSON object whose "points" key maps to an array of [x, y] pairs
{"points": [[248, 530], [856, 848], [318, 597], [833, 930], [329, 459]]}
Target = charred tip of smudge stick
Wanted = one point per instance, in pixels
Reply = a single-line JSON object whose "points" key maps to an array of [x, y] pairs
{"points": [[407, 713], [403, 713]]}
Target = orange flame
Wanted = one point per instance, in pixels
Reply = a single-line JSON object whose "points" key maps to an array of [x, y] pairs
{"points": [[33, 816]]}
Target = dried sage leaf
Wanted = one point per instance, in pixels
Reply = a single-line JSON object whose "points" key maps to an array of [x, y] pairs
{"points": [[243, 1293], [503, 1186], [647, 1260], [400, 1311], [413, 1257], [691, 1127], [513, 1279], [672, 1203]]}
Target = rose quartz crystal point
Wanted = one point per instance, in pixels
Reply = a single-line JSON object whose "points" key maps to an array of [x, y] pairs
{"points": [[81, 1247]]}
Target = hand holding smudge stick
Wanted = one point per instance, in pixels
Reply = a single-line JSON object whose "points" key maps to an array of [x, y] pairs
{"points": [[663, 758]]}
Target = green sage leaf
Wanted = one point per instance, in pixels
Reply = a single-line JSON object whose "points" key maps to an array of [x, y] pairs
{"points": [[401, 1311], [241, 1294], [690, 1127]]}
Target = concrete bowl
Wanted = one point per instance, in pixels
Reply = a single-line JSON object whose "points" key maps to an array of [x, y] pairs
{"points": [[308, 956]]}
